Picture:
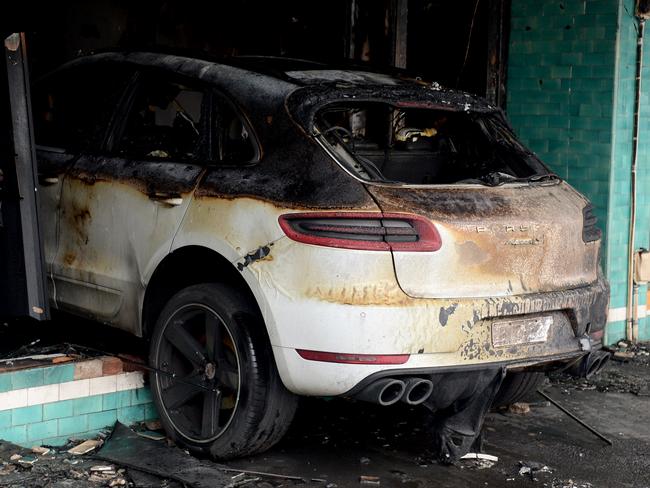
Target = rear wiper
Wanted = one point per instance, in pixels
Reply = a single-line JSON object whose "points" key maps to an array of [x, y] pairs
{"points": [[496, 178], [544, 177]]}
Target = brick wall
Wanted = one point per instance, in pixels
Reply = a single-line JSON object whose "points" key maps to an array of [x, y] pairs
{"points": [[48, 405]]}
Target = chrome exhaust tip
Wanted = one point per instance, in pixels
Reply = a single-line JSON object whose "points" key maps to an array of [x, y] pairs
{"points": [[385, 392], [417, 391]]}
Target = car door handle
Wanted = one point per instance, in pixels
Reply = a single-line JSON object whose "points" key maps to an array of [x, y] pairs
{"points": [[48, 180], [171, 200]]}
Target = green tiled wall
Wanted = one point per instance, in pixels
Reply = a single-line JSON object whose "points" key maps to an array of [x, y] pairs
{"points": [[561, 88], [622, 133], [571, 99], [36, 377], [44, 420], [53, 423]]}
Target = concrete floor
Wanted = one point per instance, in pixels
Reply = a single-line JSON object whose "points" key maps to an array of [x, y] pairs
{"points": [[340, 440]]}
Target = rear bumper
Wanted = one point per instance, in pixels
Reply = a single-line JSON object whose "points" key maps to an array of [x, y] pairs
{"points": [[438, 335]]}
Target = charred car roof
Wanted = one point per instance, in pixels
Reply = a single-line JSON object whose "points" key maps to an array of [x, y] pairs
{"points": [[306, 86]]}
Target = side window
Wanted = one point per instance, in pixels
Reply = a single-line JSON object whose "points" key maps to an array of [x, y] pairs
{"points": [[234, 141], [72, 109], [164, 122]]}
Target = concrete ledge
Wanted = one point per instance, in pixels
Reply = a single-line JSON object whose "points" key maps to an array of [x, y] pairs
{"points": [[48, 404]]}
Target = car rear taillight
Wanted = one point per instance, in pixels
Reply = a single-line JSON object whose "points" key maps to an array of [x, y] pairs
{"points": [[590, 232], [365, 231]]}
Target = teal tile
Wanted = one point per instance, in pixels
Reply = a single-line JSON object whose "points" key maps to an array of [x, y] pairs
{"points": [[27, 415], [5, 419], [131, 415], [150, 412], [58, 374], [16, 434], [73, 425], [42, 430], [57, 410], [5, 382], [102, 420], [140, 396], [115, 400], [27, 378], [87, 405]]}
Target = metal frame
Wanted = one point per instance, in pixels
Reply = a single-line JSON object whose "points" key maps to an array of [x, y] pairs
{"points": [[26, 174]]}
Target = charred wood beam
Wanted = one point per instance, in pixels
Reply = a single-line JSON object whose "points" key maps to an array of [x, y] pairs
{"points": [[398, 15], [498, 33], [351, 29]]}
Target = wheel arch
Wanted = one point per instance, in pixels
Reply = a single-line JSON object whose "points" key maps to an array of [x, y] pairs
{"points": [[186, 266]]}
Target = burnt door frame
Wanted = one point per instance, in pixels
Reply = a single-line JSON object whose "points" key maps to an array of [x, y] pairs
{"points": [[37, 305]]}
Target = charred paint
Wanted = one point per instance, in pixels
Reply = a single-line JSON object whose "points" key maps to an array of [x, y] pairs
{"points": [[477, 226], [368, 294], [445, 312], [259, 254]]}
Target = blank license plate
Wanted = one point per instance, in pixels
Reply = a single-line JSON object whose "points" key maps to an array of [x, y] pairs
{"points": [[520, 331]]}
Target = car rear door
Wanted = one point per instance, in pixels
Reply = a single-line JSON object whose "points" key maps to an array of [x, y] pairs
{"points": [[123, 205], [72, 109]]}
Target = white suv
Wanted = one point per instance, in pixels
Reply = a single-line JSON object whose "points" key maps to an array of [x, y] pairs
{"points": [[281, 228]]}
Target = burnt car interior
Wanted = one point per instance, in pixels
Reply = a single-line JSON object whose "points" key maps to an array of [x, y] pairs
{"points": [[381, 142], [165, 119], [165, 116]]}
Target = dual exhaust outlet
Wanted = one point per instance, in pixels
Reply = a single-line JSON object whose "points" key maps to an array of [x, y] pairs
{"points": [[589, 365], [388, 391]]}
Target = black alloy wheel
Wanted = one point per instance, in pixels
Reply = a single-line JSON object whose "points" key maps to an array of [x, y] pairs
{"points": [[200, 390], [215, 382]]}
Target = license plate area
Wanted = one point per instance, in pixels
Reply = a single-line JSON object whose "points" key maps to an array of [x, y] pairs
{"points": [[515, 332]]}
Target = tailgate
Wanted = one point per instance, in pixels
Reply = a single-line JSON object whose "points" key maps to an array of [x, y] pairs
{"points": [[496, 241]]}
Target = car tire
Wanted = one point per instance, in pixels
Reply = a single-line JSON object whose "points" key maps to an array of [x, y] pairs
{"points": [[214, 379], [517, 387]]}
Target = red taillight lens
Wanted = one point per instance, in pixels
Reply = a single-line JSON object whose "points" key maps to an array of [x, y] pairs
{"points": [[365, 231], [343, 358]]}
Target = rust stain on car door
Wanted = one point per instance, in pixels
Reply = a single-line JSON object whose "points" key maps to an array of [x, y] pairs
{"points": [[118, 219]]}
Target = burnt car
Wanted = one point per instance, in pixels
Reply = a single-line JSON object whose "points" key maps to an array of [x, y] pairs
{"points": [[278, 228]]}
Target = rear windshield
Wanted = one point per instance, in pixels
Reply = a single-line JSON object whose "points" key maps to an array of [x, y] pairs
{"points": [[388, 143]]}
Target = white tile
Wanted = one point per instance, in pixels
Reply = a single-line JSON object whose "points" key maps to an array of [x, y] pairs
{"points": [[74, 389], [42, 394], [130, 381], [103, 384], [13, 399], [619, 314]]}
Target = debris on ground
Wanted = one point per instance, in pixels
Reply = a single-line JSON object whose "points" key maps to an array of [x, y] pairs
{"points": [[480, 460], [85, 447], [532, 469], [369, 480], [623, 356], [41, 451], [569, 484], [519, 408]]}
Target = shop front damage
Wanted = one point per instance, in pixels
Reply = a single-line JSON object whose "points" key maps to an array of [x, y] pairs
{"points": [[488, 317]]}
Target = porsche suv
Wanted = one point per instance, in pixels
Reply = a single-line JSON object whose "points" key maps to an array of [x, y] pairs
{"points": [[278, 227]]}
